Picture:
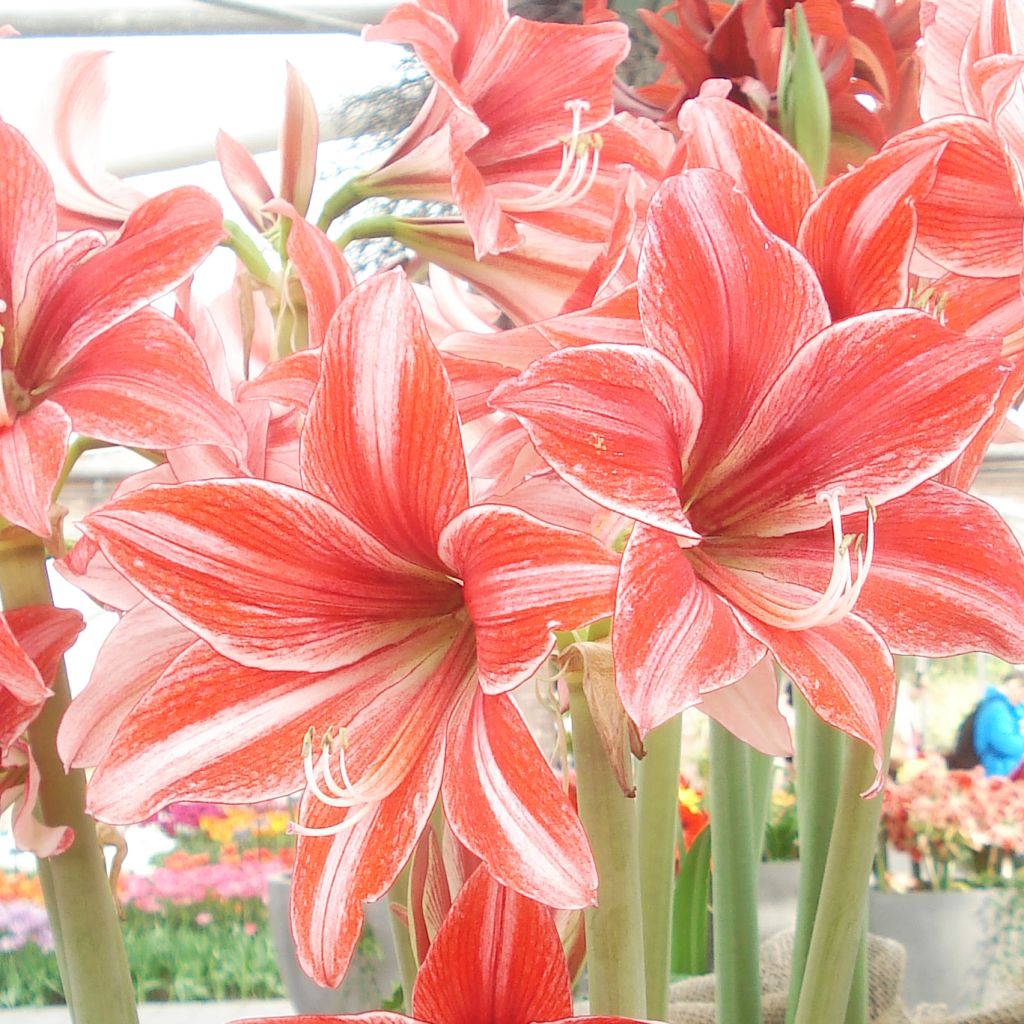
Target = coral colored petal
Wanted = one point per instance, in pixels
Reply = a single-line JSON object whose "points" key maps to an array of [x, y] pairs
{"points": [[32, 451], [725, 300], [522, 580], [28, 218], [873, 405], [326, 277], [45, 633], [492, 230], [945, 27], [503, 802], [267, 574], [162, 242], [722, 135], [859, 234], [382, 440], [244, 179], [133, 657], [971, 222], [211, 729], [300, 136], [497, 957], [290, 381], [375, 1017], [22, 690], [673, 637], [616, 422], [845, 673], [143, 383], [749, 709], [334, 875]]}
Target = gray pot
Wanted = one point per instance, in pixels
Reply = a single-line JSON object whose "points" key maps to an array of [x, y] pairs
{"points": [[371, 978], [953, 940]]}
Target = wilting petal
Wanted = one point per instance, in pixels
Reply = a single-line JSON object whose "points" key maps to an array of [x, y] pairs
{"points": [[722, 135], [845, 673], [268, 575], [382, 440], [498, 957], [30, 833], [335, 875], [860, 233], [143, 383], [873, 405], [617, 422], [162, 242], [673, 637], [503, 802], [32, 451], [749, 709], [133, 657], [522, 580], [723, 299]]}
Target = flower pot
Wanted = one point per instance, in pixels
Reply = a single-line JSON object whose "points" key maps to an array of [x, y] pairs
{"points": [[372, 976], [952, 941]]}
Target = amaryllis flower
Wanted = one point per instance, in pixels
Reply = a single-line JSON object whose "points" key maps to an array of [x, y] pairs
{"points": [[497, 958], [80, 349], [508, 130], [375, 613], [755, 444], [32, 642]]}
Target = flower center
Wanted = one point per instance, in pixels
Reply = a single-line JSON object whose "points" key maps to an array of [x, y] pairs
{"points": [[580, 160], [337, 794]]}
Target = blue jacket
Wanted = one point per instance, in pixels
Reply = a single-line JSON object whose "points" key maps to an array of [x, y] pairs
{"points": [[997, 736]]}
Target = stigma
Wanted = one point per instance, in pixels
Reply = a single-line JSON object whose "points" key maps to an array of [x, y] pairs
{"points": [[581, 155]]}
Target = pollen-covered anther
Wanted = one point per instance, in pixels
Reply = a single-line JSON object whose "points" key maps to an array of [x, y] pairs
{"points": [[581, 155], [344, 794], [845, 583]]}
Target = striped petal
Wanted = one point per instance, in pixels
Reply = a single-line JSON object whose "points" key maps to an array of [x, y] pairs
{"points": [[382, 440], [268, 575], [522, 580], [503, 802], [616, 422], [674, 638], [497, 957]]}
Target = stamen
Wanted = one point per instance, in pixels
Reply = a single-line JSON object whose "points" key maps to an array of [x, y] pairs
{"points": [[581, 153], [347, 796], [293, 828]]}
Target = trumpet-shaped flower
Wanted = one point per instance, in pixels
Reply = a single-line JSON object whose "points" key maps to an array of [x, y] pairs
{"points": [[365, 629], [755, 444], [497, 959], [79, 349]]}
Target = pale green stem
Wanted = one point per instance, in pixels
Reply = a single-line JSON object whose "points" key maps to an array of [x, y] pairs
{"points": [[97, 983], [76, 450], [381, 226], [735, 851], [407, 967], [819, 762], [658, 817], [340, 202], [836, 939], [615, 953], [239, 242]]}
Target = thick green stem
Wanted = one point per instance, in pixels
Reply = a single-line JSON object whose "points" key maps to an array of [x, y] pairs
{"points": [[836, 939], [658, 816], [615, 952], [735, 851], [819, 762], [248, 252], [97, 984]]}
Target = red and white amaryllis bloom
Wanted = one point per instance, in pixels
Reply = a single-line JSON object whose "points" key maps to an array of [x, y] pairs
{"points": [[376, 608], [778, 467], [79, 347], [497, 959]]}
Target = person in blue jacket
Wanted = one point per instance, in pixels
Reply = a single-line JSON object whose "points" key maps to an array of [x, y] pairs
{"points": [[997, 728]]}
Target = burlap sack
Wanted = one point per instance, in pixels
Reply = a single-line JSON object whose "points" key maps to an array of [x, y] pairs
{"points": [[693, 1000]]}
